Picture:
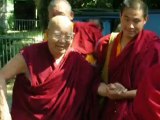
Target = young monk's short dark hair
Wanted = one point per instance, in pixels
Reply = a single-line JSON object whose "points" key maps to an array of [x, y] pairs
{"points": [[135, 4]]}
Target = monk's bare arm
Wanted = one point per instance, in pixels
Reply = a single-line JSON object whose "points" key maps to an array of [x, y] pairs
{"points": [[130, 94], [15, 66]]}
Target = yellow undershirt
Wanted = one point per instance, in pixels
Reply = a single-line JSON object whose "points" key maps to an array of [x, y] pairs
{"points": [[119, 48]]}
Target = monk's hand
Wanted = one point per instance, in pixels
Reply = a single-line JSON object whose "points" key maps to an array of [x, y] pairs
{"points": [[102, 89], [4, 109], [119, 88], [115, 91], [5, 115]]}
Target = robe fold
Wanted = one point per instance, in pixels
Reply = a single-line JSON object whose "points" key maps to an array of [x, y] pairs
{"points": [[146, 105], [128, 69], [54, 92], [86, 36]]}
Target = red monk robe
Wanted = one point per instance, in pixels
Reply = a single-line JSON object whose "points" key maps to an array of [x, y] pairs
{"points": [[56, 92], [128, 69], [146, 105], [86, 36]]}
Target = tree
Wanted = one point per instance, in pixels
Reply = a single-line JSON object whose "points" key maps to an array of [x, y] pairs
{"points": [[43, 13], [3, 25]]}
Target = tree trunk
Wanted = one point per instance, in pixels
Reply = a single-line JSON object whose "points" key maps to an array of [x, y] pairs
{"points": [[42, 7], [3, 25]]}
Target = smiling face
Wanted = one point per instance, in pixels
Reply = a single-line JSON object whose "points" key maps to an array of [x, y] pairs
{"points": [[60, 35], [132, 22]]}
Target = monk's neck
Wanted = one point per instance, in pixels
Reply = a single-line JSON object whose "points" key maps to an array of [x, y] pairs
{"points": [[124, 41], [58, 58]]}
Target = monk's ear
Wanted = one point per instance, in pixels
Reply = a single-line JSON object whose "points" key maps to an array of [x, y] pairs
{"points": [[120, 14], [72, 15], [146, 19]]}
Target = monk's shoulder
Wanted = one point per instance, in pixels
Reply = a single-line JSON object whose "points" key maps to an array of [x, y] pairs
{"points": [[86, 25]]}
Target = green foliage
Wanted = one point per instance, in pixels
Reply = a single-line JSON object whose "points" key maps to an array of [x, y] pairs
{"points": [[91, 4], [110, 4], [2, 30], [10, 21], [43, 13]]}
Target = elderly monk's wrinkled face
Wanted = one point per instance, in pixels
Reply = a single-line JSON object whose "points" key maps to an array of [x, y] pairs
{"points": [[60, 35], [132, 22]]}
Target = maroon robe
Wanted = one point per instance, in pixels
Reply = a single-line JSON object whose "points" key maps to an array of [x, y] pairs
{"points": [[146, 105], [62, 92], [128, 69], [86, 36]]}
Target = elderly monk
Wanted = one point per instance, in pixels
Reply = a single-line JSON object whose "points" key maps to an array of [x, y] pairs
{"points": [[86, 33], [53, 81]]}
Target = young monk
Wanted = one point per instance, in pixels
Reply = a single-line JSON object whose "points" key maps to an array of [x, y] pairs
{"points": [[126, 59], [53, 81]]}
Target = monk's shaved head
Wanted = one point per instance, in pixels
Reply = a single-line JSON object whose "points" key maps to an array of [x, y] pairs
{"points": [[60, 7], [60, 22]]}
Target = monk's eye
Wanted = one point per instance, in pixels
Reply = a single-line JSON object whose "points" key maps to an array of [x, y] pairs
{"points": [[57, 35]]}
